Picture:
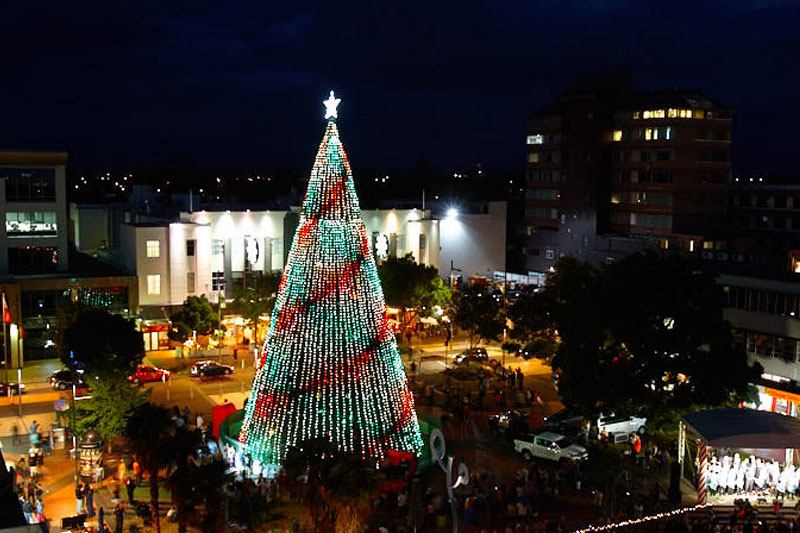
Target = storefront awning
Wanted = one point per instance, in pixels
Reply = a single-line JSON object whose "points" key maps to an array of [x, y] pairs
{"points": [[745, 428]]}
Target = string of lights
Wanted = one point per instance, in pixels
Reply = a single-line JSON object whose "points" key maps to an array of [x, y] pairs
{"points": [[649, 518], [330, 367]]}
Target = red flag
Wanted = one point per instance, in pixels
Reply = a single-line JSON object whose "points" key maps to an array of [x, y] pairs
{"points": [[6, 312]]}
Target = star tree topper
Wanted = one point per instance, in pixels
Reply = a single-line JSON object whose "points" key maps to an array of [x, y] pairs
{"points": [[330, 106]]}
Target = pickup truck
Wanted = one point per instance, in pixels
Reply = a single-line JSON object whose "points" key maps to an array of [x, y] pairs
{"points": [[549, 445]]}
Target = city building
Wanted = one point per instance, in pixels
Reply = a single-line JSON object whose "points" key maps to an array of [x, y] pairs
{"points": [[39, 268], [611, 171], [765, 316], [473, 241], [209, 252]]}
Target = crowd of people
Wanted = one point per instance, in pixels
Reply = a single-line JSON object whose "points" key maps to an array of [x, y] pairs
{"points": [[752, 476]]}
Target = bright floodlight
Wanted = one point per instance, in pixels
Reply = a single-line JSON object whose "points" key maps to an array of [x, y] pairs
{"points": [[452, 212]]}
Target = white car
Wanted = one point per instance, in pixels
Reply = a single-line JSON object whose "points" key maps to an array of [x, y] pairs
{"points": [[549, 445], [619, 428]]}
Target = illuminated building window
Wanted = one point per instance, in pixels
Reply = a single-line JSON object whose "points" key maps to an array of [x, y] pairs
{"points": [[218, 281], [616, 135], [614, 197], [672, 113], [536, 139], [549, 254], [41, 224], [534, 157], [154, 249], [154, 283], [698, 113], [217, 247], [636, 115]]}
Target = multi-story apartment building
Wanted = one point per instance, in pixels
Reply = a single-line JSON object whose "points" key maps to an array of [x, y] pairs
{"points": [[33, 203], [611, 171], [765, 316], [38, 269]]}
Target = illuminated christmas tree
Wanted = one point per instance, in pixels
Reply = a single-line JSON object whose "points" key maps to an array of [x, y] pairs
{"points": [[330, 367]]}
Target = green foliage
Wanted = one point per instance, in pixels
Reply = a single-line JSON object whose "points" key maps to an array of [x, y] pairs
{"points": [[644, 334], [107, 345], [195, 315], [257, 297], [409, 285], [111, 405], [479, 313], [329, 477], [533, 331], [148, 431]]}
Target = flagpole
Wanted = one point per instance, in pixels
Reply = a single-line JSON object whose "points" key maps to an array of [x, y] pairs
{"points": [[5, 339]]}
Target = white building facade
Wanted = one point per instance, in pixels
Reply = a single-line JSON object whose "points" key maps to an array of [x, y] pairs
{"points": [[473, 244]]}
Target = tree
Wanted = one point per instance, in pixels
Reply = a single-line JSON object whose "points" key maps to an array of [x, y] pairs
{"points": [[196, 315], [329, 478], [112, 402], [331, 367], [105, 344], [652, 326], [256, 298], [409, 285], [148, 430], [479, 312], [534, 331]]}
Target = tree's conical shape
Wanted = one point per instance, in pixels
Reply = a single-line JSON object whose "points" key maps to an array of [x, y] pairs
{"points": [[330, 367]]}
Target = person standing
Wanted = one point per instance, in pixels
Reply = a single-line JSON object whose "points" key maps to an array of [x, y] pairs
{"points": [[89, 500], [15, 433], [137, 471], [79, 499], [130, 485], [119, 517], [101, 518]]}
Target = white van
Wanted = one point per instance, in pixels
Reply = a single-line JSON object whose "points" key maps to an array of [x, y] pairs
{"points": [[619, 428]]}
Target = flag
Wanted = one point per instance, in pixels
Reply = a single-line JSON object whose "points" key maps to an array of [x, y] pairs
{"points": [[6, 312]]}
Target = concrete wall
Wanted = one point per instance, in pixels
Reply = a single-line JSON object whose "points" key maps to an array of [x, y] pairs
{"points": [[475, 243], [403, 228]]}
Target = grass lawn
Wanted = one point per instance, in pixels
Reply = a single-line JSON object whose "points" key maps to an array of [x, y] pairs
{"points": [[142, 493]]}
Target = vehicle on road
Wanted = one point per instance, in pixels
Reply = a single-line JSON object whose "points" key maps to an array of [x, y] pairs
{"points": [[144, 374], [563, 421], [62, 380], [212, 368], [4, 388], [551, 446], [509, 424], [472, 355], [194, 370], [619, 428]]}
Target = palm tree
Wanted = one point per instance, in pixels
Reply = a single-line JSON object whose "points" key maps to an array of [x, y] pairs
{"points": [[148, 431]]}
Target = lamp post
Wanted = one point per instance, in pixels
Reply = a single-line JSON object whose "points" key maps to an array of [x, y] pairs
{"points": [[74, 425]]}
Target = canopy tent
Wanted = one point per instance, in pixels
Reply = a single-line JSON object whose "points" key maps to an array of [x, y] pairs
{"points": [[745, 428]]}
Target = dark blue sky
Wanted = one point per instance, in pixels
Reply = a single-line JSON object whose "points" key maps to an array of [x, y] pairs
{"points": [[125, 84]]}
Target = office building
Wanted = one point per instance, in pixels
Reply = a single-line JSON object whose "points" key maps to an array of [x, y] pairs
{"points": [[612, 171]]}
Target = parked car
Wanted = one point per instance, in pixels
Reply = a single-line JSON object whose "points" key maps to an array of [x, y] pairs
{"points": [[620, 427], [144, 374], [563, 421], [4, 388], [194, 370], [62, 379], [476, 355], [212, 368], [509, 424], [549, 445]]}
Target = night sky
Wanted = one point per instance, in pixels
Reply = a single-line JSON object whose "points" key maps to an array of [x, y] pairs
{"points": [[121, 84]]}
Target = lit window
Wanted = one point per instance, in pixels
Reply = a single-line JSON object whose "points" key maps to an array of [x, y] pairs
{"points": [[549, 254], [533, 157], [154, 249], [616, 135], [699, 113], [648, 134], [636, 115], [217, 247], [31, 224], [673, 113], [536, 139], [154, 283]]}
